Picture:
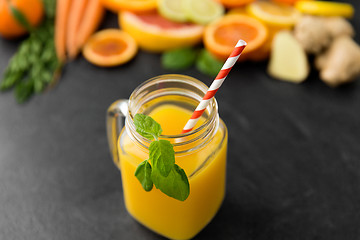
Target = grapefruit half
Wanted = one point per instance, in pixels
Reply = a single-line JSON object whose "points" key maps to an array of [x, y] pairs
{"points": [[155, 33]]}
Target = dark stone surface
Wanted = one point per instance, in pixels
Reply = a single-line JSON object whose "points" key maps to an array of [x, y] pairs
{"points": [[293, 164]]}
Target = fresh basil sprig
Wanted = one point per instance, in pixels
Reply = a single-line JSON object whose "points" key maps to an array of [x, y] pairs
{"points": [[179, 59], [162, 172], [183, 58]]}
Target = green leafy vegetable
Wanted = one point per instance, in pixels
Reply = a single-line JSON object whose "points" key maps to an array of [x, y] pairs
{"points": [[179, 59], [143, 174], [35, 65], [147, 127], [208, 64], [50, 6], [164, 173], [175, 185], [162, 156]]}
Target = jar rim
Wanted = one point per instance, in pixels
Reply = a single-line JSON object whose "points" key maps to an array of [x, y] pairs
{"points": [[194, 134]]}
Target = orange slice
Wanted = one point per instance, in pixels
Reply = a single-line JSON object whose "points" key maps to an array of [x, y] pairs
{"points": [[222, 35], [273, 14], [130, 5], [109, 48], [155, 33]]}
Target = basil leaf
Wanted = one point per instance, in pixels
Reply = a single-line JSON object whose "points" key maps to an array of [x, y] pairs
{"points": [[162, 156], [208, 64], [179, 59], [143, 174], [147, 127], [175, 185]]}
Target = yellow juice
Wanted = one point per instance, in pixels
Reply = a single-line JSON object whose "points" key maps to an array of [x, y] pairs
{"points": [[205, 167]]}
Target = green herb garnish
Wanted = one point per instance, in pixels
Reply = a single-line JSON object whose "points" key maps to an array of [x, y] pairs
{"points": [[179, 59], [208, 64], [183, 58], [35, 65], [162, 172]]}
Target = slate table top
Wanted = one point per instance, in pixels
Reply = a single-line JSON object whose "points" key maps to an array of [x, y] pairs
{"points": [[293, 167]]}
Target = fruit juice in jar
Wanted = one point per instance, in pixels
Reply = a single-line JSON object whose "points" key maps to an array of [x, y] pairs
{"points": [[201, 153]]}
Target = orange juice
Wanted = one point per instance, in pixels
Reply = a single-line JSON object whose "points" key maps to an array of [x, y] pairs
{"points": [[170, 100], [205, 167]]}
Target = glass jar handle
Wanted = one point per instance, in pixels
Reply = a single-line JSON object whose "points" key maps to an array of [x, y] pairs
{"points": [[115, 119]]}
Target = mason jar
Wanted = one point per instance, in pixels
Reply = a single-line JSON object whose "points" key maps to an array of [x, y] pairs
{"points": [[170, 100]]}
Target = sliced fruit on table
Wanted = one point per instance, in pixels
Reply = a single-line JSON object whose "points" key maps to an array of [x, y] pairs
{"points": [[273, 14], [109, 48], [222, 35], [260, 54], [235, 3], [238, 10], [263, 52], [155, 33], [288, 61], [130, 5], [324, 8], [202, 11], [32, 10], [172, 9], [288, 2]]}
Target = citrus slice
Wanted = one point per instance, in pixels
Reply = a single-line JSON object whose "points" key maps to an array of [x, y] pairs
{"points": [[323, 8], [202, 11], [154, 33], [235, 3], [288, 2], [238, 10], [274, 14], [172, 9], [222, 35], [110, 47], [130, 5]]}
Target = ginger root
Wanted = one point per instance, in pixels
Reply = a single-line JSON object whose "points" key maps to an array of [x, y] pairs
{"points": [[340, 63], [316, 33], [288, 60], [311, 34], [338, 26]]}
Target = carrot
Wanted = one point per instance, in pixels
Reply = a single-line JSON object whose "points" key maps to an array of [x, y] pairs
{"points": [[62, 12], [76, 13], [93, 15]]}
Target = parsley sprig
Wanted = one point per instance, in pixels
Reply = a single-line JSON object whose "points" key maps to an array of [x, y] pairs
{"points": [[162, 172], [35, 65]]}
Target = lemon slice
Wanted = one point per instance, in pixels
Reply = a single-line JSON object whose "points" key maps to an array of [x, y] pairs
{"points": [[326, 8], [274, 14], [202, 11], [172, 10]]}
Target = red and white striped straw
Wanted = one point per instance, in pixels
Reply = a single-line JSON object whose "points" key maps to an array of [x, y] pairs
{"points": [[235, 54]]}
